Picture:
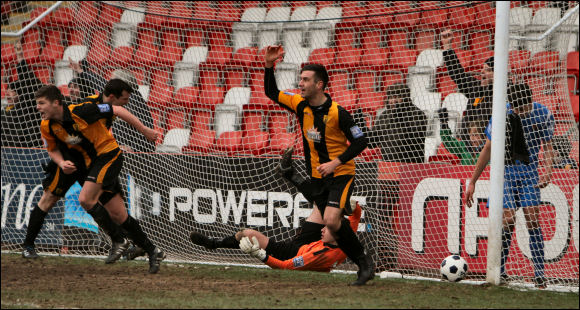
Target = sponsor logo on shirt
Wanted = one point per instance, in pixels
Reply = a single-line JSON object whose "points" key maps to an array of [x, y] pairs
{"points": [[298, 262], [289, 93], [313, 135], [104, 108], [73, 140], [356, 132]]}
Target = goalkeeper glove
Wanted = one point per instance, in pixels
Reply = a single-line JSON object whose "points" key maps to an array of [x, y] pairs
{"points": [[252, 247]]}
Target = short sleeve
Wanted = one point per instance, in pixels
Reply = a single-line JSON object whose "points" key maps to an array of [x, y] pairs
{"points": [[48, 139], [290, 100]]}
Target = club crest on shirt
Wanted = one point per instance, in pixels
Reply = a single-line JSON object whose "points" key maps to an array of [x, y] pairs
{"points": [[76, 127], [73, 140], [313, 135], [298, 262]]}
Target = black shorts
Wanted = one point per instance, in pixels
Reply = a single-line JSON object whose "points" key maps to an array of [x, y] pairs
{"points": [[105, 169], [283, 250], [57, 182], [333, 192]]}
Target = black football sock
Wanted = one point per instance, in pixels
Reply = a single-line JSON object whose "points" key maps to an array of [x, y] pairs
{"points": [[136, 234], [34, 225], [309, 232], [103, 219], [228, 242], [348, 242]]}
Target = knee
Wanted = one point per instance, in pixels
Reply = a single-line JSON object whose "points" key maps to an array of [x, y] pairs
{"points": [[47, 201]]}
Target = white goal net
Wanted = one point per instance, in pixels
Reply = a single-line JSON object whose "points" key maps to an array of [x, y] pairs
{"points": [[199, 74]]}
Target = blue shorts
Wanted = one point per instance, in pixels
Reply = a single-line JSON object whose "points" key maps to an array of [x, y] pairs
{"points": [[520, 193]]}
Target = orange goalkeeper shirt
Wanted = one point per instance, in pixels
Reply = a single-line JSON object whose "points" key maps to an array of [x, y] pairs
{"points": [[316, 256]]}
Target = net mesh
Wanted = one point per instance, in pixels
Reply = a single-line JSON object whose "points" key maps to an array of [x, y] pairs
{"points": [[198, 68]]}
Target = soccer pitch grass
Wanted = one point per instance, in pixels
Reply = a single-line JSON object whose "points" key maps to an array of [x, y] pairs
{"points": [[71, 282]]}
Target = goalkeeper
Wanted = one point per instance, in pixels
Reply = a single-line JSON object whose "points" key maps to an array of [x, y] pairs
{"points": [[321, 255]]}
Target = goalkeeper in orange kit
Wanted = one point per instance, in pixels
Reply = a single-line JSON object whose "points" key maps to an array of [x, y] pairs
{"points": [[322, 255]]}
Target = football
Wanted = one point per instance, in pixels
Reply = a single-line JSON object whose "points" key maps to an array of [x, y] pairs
{"points": [[453, 268]]}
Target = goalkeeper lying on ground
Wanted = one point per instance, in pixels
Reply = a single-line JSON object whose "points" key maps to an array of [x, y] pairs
{"points": [[322, 255]]}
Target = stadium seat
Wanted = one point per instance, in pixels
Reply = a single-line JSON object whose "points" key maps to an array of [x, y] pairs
{"points": [[552, 102], [174, 140], [133, 16], [243, 35], [194, 37], [374, 57], [430, 58], [286, 76], [179, 15], [170, 51], [432, 14], [8, 54], [427, 101], [89, 11], [209, 77], [186, 96], [195, 55], [545, 62], [348, 57], [402, 59], [520, 17], [405, 19], [210, 96], [339, 80], [203, 12], [253, 136], [397, 40], [379, 15], [99, 52], [278, 14], [347, 98], [296, 55], [323, 56], [63, 74], [268, 34], [456, 104], [345, 38], [238, 96], [185, 75], [306, 13], [218, 56], [546, 16], [372, 39], [519, 61], [175, 118], [160, 95], [147, 51], [51, 53], [365, 81], [480, 41], [158, 13], [43, 73], [201, 140], [218, 37], [575, 110], [464, 57], [320, 34], [353, 13], [572, 63], [144, 91], [244, 57], [330, 14], [122, 56], [235, 77], [370, 101], [537, 82], [229, 141], [109, 15], [462, 17]]}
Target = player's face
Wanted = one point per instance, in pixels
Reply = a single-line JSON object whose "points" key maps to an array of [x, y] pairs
{"points": [[121, 101], [11, 96], [475, 137], [74, 92], [486, 75], [327, 235], [48, 109], [392, 101], [308, 85]]}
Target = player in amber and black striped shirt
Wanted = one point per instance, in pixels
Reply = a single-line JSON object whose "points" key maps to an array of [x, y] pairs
{"points": [[79, 142], [327, 130]]}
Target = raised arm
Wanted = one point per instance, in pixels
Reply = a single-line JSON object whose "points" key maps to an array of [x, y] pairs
{"points": [[467, 84], [124, 114], [273, 53]]}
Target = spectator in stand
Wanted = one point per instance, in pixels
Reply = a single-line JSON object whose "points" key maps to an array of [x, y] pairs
{"points": [[401, 129], [20, 119], [479, 93], [86, 83], [562, 148], [466, 152]]}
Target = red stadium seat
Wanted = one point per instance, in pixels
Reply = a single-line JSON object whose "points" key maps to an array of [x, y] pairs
{"points": [[201, 140], [122, 56], [480, 41], [397, 40], [432, 14], [208, 78], [147, 51], [76, 37], [545, 62], [180, 14], [186, 96], [486, 15], [210, 96], [381, 18], [37, 12], [109, 15], [195, 37], [345, 38], [462, 17], [175, 118], [405, 19], [371, 154], [371, 39], [31, 52], [537, 82], [229, 141], [519, 61], [552, 102], [157, 14], [51, 53], [370, 101], [402, 59], [352, 12], [478, 59], [575, 110], [254, 139], [201, 119], [572, 63], [464, 57], [348, 57], [99, 52], [260, 100], [365, 81], [8, 55], [346, 98], [219, 55], [203, 12], [391, 77], [160, 95], [339, 80], [323, 56], [63, 17], [235, 78], [217, 37], [375, 57], [89, 11], [229, 11], [245, 56], [44, 74], [445, 85]]}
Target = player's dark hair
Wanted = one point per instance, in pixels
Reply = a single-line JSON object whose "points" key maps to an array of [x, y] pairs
{"points": [[116, 87], [49, 92], [519, 95], [320, 73], [399, 90], [490, 62]]}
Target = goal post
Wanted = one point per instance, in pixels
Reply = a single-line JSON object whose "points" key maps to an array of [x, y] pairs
{"points": [[197, 68]]}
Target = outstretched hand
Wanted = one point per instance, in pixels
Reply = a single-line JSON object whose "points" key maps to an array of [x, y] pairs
{"points": [[75, 66], [273, 53], [252, 247]]}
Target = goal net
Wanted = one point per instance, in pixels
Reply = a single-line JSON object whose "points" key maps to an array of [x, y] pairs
{"points": [[198, 71]]}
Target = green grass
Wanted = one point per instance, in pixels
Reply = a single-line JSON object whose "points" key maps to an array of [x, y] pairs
{"points": [[65, 282]]}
